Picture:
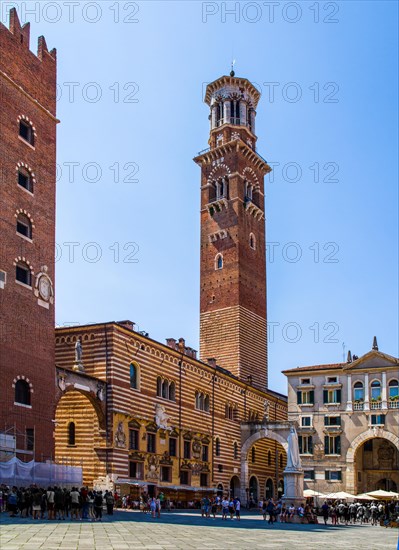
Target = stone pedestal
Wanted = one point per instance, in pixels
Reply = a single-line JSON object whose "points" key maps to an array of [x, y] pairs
{"points": [[293, 487], [78, 366]]}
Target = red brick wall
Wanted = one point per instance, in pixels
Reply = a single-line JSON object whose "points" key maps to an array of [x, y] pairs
{"points": [[27, 87]]}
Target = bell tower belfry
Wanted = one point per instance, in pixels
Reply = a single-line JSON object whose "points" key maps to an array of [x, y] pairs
{"points": [[233, 327]]}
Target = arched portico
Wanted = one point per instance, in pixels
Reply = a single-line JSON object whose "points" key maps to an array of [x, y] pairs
{"points": [[372, 433]]}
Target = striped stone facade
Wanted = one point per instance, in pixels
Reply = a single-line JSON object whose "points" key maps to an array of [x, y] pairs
{"points": [[205, 409]]}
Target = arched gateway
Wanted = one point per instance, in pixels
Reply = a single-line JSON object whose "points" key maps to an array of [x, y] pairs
{"points": [[251, 433], [372, 460]]}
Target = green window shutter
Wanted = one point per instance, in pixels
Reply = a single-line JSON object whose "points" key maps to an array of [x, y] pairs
{"points": [[383, 419], [339, 396], [310, 445], [300, 444], [327, 475], [326, 421], [339, 476], [325, 396], [373, 419], [299, 397], [312, 397], [326, 445], [339, 421], [338, 445]]}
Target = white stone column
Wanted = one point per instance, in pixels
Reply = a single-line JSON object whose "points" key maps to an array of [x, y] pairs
{"points": [[253, 115], [384, 404], [226, 111], [349, 399], [243, 113], [213, 116], [366, 392], [244, 481]]}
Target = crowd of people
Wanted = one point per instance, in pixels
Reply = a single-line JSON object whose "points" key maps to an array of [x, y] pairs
{"points": [[55, 503], [342, 512]]}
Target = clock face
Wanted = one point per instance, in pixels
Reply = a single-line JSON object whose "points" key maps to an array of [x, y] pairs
{"points": [[44, 288]]}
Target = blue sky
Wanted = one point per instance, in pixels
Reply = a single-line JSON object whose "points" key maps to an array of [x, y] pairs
{"points": [[333, 118]]}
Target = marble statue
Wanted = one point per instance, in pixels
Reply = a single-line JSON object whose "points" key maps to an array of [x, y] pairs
{"points": [[78, 351], [293, 458]]}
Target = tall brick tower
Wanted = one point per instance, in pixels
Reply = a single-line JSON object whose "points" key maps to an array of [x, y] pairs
{"points": [[233, 265], [27, 228]]}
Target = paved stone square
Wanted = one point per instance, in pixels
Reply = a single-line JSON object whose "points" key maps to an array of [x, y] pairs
{"points": [[126, 530]]}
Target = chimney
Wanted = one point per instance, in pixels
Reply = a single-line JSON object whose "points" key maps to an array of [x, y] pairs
{"points": [[212, 362], [375, 345], [171, 343], [349, 359], [182, 345], [127, 324]]}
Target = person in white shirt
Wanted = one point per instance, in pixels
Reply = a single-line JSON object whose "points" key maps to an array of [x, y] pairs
{"points": [[225, 508]]}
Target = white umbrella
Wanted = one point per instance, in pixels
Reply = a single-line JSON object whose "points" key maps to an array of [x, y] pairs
{"points": [[380, 493], [365, 496], [341, 495], [311, 493]]}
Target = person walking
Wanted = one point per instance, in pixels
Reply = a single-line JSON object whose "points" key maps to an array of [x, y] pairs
{"points": [[225, 508], [325, 510], [109, 501], [98, 505], [270, 510], [238, 509]]}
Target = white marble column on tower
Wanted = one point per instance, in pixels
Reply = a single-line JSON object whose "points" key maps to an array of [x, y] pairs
{"points": [[213, 116], [253, 115], [243, 113], [226, 111]]}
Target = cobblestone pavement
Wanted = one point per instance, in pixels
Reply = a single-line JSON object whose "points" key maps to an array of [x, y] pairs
{"points": [[128, 530]]}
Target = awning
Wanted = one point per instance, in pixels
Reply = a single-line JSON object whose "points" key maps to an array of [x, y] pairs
{"points": [[130, 482], [187, 488]]}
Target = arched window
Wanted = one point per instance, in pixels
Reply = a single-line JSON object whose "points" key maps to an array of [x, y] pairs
{"points": [[25, 179], [252, 241], [71, 433], [269, 458], [23, 273], [26, 132], [159, 386], [172, 391], [217, 446], [219, 261], [376, 390], [358, 391], [24, 226], [393, 389], [235, 450], [253, 455], [201, 401], [134, 376], [206, 403], [197, 400], [165, 389], [22, 392]]}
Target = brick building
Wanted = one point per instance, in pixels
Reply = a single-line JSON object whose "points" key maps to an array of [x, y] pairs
{"points": [[142, 413], [27, 227]]}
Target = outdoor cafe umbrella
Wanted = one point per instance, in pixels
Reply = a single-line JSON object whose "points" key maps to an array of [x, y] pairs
{"points": [[341, 495], [311, 493], [385, 495], [365, 496]]}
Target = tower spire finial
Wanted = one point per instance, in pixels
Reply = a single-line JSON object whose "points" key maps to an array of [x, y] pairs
{"points": [[375, 345], [233, 62]]}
